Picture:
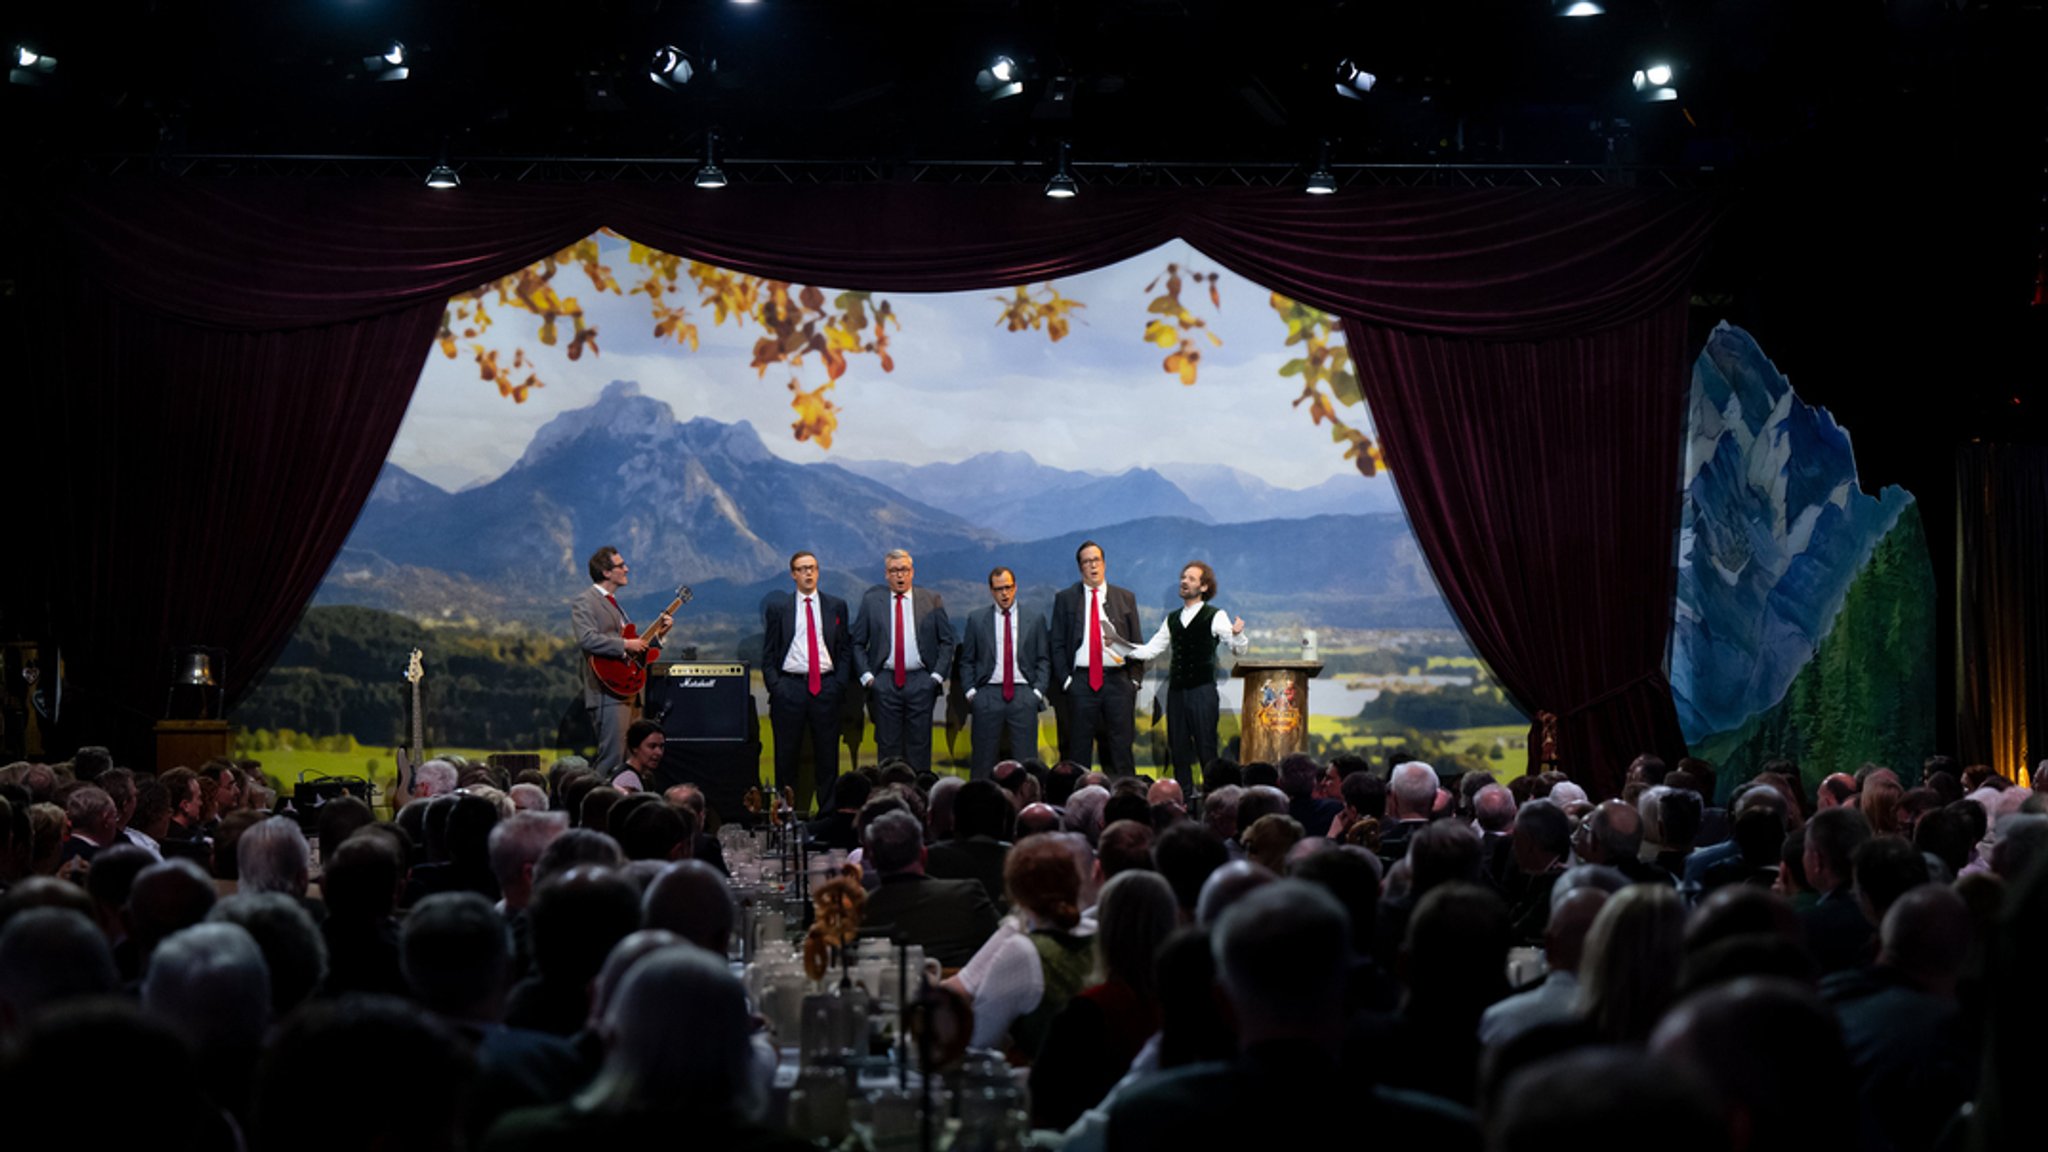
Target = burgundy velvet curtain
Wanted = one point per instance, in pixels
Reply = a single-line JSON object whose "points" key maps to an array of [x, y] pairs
{"points": [[226, 364], [1542, 481]]}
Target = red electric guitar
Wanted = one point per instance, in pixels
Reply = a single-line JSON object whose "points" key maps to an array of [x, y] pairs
{"points": [[624, 676]]}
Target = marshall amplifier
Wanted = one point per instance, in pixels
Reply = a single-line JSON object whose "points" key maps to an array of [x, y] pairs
{"points": [[696, 701]]}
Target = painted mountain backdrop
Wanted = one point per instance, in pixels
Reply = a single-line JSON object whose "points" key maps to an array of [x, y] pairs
{"points": [[704, 502], [1776, 536]]}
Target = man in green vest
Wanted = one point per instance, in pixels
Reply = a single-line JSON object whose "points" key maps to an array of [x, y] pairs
{"points": [[1192, 704]]}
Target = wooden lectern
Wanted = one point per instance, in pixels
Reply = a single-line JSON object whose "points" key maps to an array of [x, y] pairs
{"points": [[190, 743], [1274, 721]]}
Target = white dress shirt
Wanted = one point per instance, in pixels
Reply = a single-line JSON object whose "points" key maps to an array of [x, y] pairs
{"points": [[798, 658], [1219, 626]]}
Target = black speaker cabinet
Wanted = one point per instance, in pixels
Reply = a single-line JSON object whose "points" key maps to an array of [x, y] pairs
{"points": [[695, 701], [714, 731]]}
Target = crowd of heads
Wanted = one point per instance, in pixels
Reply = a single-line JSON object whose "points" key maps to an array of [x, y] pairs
{"points": [[1533, 958]]}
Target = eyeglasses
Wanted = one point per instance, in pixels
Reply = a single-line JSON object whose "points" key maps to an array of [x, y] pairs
{"points": [[615, 565]]}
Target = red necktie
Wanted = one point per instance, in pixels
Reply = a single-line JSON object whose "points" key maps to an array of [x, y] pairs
{"points": [[1094, 641], [615, 606], [899, 639], [1009, 662], [814, 679]]}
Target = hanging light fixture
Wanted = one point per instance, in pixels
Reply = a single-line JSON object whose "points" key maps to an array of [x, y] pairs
{"points": [[710, 175], [1321, 181], [1062, 185]]}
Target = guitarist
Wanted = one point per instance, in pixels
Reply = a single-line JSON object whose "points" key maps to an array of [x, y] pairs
{"points": [[600, 627]]}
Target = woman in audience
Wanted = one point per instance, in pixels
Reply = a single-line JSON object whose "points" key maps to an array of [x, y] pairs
{"points": [[1629, 973], [1880, 802], [1092, 1041], [1028, 971]]}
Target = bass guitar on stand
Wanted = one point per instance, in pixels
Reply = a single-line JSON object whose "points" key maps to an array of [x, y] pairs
{"points": [[624, 676], [409, 761]]}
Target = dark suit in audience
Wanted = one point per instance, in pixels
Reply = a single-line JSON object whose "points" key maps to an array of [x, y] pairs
{"points": [[950, 919], [1281, 954]]}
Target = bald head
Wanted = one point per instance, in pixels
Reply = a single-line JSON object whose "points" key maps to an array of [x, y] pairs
{"points": [[1614, 832], [1494, 808], [1167, 792], [1227, 885], [1036, 818]]}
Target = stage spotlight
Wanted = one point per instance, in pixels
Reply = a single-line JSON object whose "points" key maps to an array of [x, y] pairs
{"points": [[393, 63], [29, 66], [710, 175], [1062, 186], [1352, 81], [672, 67], [1653, 84], [1577, 8], [442, 178], [1321, 181], [1002, 78]]}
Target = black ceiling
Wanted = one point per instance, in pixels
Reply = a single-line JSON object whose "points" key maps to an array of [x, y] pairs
{"points": [[1892, 156], [1153, 81]]}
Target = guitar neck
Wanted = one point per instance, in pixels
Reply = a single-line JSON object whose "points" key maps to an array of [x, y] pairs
{"points": [[419, 731], [657, 633]]}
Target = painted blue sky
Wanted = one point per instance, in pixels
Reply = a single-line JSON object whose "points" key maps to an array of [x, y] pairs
{"points": [[1098, 400]]}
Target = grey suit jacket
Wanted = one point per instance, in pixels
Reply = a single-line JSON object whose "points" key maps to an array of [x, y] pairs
{"points": [[981, 649], [874, 630], [600, 631], [1067, 629]]}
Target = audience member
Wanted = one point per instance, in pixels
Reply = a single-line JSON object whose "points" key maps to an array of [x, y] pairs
{"points": [[293, 951], [1554, 1000], [678, 1059], [1091, 1042], [49, 956], [949, 919], [981, 820], [1281, 953], [1837, 930], [692, 901], [1771, 1054], [1628, 974], [361, 886], [1026, 973], [575, 919]]}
